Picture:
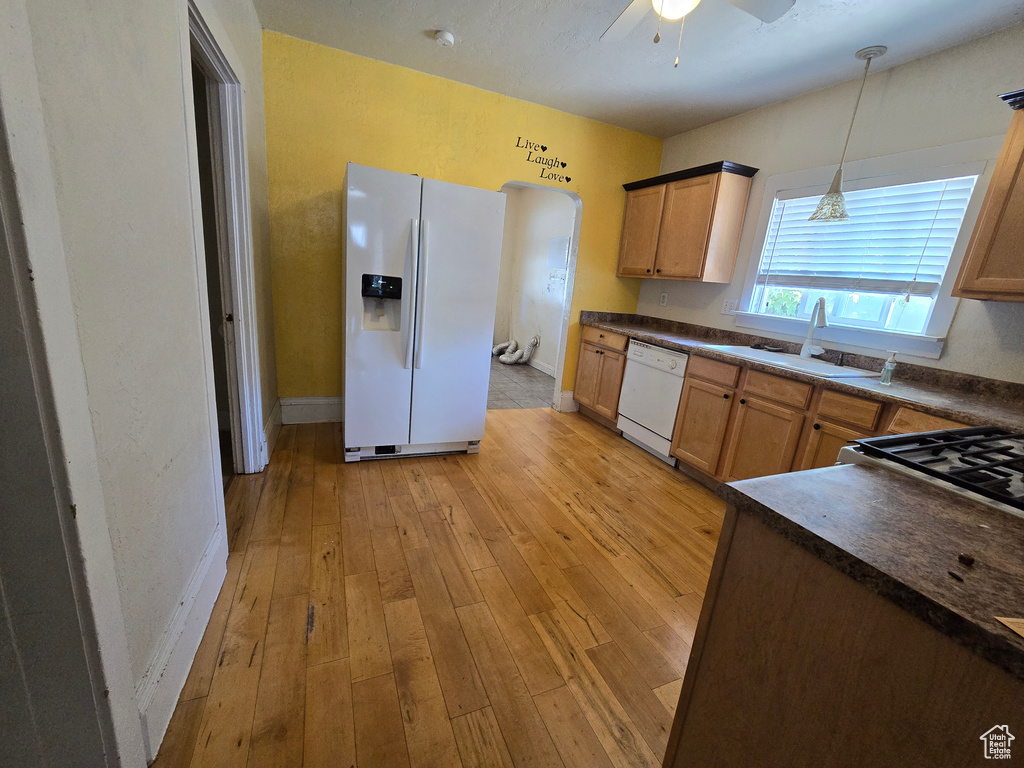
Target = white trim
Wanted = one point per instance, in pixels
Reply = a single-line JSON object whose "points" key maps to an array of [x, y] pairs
{"points": [[542, 367], [312, 410], [570, 280], [272, 430], [564, 402], [234, 233], [844, 339], [962, 158], [158, 690], [35, 241]]}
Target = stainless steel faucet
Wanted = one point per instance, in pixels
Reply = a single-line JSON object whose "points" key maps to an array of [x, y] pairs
{"points": [[819, 319]]}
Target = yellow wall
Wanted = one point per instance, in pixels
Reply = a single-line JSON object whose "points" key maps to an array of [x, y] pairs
{"points": [[326, 107]]}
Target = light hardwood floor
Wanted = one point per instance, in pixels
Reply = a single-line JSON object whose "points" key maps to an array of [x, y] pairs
{"points": [[531, 605]]}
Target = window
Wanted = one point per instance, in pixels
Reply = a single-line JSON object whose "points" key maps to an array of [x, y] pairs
{"points": [[881, 269]]}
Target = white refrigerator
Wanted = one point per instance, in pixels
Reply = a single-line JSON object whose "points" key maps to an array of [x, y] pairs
{"points": [[421, 286]]}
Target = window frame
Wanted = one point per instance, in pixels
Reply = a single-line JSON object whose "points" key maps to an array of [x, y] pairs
{"points": [[969, 158]]}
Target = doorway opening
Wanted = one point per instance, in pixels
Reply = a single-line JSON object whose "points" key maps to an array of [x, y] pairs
{"points": [[538, 264], [225, 254]]}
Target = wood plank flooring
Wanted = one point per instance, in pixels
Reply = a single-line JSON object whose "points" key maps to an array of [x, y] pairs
{"points": [[532, 605]]}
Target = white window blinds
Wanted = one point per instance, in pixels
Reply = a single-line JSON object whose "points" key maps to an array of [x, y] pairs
{"points": [[898, 240]]}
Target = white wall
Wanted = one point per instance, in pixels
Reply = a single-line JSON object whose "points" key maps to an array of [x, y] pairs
{"points": [[531, 292], [115, 86], [941, 99]]}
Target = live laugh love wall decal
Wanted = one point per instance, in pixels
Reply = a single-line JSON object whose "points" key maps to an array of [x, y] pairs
{"points": [[551, 168]]}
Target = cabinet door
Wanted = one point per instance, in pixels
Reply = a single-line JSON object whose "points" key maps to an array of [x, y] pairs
{"points": [[993, 267], [588, 372], [700, 425], [609, 383], [685, 226], [763, 440], [640, 227], [824, 443]]}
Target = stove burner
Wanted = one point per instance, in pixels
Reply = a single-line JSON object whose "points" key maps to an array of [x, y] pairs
{"points": [[986, 460]]}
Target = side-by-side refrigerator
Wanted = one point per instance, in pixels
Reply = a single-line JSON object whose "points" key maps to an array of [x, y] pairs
{"points": [[421, 286]]}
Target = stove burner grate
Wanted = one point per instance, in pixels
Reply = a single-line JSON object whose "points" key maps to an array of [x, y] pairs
{"points": [[986, 460]]}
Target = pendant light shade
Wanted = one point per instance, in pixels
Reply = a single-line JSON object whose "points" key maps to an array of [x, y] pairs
{"points": [[832, 206], [674, 9]]}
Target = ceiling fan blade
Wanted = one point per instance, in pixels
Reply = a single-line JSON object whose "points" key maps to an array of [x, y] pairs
{"points": [[765, 10], [627, 21]]}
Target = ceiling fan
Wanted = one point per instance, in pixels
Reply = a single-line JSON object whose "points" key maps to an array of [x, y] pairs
{"points": [[765, 10]]}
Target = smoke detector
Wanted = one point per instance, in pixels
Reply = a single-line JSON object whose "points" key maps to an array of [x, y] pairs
{"points": [[444, 38]]}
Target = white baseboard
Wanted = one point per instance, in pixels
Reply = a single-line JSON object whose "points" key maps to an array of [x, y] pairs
{"points": [[158, 691], [542, 367], [271, 429], [312, 410], [566, 404]]}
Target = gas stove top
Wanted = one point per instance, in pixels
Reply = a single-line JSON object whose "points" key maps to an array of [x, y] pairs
{"points": [[987, 461]]}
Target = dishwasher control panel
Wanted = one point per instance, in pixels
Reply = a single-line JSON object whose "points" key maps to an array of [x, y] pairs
{"points": [[657, 357]]}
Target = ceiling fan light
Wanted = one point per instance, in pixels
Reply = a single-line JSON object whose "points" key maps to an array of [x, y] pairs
{"points": [[674, 9]]}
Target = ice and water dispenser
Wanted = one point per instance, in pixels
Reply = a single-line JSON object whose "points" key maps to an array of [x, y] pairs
{"points": [[382, 303]]}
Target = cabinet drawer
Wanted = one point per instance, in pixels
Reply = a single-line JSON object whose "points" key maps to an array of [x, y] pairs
{"points": [[908, 420], [777, 388], [713, 370], [604, 338], [849, 409]]}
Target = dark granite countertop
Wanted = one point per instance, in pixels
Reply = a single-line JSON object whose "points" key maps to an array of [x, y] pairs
{"points": [[900, 537], [959, 397]]}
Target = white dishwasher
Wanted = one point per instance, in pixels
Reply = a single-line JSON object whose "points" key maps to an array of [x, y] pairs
{"points": [[651, 385]]}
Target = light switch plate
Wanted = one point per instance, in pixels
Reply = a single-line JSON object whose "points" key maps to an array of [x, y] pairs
{"points": [[663, 301], [729, 306]]}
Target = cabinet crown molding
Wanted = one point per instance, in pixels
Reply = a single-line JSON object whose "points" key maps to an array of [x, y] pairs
{"points": [[1014, 98], [722, 166]]}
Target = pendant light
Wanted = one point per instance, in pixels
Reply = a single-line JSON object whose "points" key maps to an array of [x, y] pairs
{"points": [[832, 206]]}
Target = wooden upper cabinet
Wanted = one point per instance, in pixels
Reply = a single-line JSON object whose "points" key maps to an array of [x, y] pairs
{"points": [[685, 225], [993, 268], [640, 231]]}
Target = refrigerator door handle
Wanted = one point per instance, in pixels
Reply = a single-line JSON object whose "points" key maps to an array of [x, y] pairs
{"points": [[414, 239], [421, 293]]}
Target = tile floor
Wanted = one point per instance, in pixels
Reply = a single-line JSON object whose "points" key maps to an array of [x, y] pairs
{"points": [[518, 386]]}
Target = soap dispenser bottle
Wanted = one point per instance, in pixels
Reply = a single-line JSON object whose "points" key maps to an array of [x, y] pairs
{"points": [[887, 370]]}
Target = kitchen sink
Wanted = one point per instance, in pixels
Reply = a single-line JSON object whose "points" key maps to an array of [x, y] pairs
{"points": [[809, 365]]}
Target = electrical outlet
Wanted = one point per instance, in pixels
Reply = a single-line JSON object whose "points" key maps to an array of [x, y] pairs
{"points": [[729, 306], [663, 301]]}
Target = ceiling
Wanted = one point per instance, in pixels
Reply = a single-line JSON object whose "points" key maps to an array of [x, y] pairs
{"points": [[549, 52]]}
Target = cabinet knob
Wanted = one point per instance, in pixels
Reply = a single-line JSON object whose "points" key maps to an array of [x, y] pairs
{"points": [[658, 270], [648, 271], [726, 396], [600, 335], [743, 401], [817, 426]]}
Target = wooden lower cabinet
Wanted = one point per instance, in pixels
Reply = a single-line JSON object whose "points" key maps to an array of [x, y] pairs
{"points": [[588, 372], [763, 440], [825, 441], [701, 423], [599, 379]]}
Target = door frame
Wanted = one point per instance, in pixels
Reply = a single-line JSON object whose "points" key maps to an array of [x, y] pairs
{"points": [[559, 402], [234, 236]]}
